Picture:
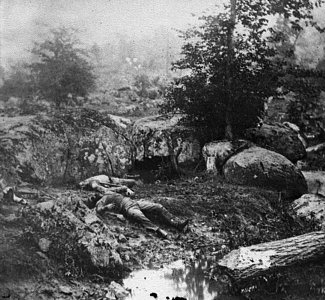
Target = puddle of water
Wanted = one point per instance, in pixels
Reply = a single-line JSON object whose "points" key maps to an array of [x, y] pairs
{"points": [[192, 283], [177, 279]]}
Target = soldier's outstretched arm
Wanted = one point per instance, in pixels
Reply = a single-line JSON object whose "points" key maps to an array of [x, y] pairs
{"points": [[105, 204]]}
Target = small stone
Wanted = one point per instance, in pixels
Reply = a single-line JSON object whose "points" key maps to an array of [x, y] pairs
{"points": [[65, 290], [47, 205], [116, 258], [110, 295], [121, 218], [119, 291], [91, 218], [122, 238], [126, 257], [44, 244]]}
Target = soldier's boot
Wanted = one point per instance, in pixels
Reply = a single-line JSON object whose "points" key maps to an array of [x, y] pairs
{"points": [[181, 225]]}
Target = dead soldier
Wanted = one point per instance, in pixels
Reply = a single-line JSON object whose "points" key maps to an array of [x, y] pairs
{"points": [[141, 211]]}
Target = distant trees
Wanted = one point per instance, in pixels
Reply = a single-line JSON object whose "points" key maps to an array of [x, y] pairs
{"points": [[18, 83], [235, 65], [62, 69]]}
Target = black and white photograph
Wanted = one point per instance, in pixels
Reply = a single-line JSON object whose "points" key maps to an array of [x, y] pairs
{"points": [[162, 149]]}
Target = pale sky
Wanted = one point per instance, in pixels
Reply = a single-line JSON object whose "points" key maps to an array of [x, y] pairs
{"points": [[22, 20]]}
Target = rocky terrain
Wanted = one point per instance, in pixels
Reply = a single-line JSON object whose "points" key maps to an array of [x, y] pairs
{"points": [[53, 246], [39, 252]]}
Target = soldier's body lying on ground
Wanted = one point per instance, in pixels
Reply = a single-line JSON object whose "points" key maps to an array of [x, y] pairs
{"points": [[142, 211], [103, 184]]}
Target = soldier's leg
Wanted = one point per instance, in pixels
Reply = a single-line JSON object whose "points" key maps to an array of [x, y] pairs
{"points": [[155, 211], [134, 213]]}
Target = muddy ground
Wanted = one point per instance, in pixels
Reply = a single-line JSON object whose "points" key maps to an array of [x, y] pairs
{"points": [[223, 217]]}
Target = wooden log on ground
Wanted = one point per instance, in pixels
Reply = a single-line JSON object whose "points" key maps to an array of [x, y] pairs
{"points": [[246, 263]]}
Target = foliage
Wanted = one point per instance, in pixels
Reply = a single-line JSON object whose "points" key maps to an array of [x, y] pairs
{"points": [[304, 82], [19, 83], [147, 87], [142, 83], [234, 67], [63, 70], [305, 109]]}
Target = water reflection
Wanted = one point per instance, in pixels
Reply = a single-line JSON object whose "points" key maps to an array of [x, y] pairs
{"points": [[188, 281], [303, 282]]}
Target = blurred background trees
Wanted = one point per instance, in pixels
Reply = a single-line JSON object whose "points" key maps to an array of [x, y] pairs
{"points": [[62, 70], [226, 71]]}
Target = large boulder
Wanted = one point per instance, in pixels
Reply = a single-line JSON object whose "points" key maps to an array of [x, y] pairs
{"points": [[69, 146], [267, 169], [315, 182], [217, 153], [162, 136], [280, 138]]}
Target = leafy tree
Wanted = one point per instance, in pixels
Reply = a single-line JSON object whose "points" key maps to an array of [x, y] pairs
{"points": [[62, 69], [234, 65], [19, 82]]}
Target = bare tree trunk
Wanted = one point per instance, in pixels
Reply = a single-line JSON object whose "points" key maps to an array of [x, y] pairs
{"points": [[248, 262], [230, 42], [174, 162]]}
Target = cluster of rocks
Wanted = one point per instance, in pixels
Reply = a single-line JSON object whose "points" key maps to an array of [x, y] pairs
{"points": [[63, 148], [97, 244], [83, 143], [266, 159], [56, 289], [269, 158]]}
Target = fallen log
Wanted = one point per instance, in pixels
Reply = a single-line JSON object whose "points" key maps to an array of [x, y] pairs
{"points": [[246, 263]]}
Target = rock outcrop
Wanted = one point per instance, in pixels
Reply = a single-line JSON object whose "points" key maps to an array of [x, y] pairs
{"points": [[161, 136], [279, 138], [217, 153], [69, 225], [266, 169], [66, 147], [315, 182], [310, 206]]}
